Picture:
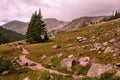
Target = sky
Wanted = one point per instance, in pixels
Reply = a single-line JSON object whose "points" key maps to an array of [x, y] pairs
{"points": [[65, 10]]}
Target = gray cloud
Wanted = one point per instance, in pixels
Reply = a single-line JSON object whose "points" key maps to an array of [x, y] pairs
{"points": [[60, 9]]}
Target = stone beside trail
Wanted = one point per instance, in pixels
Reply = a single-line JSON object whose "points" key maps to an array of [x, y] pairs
{"points": [[23, 59]]}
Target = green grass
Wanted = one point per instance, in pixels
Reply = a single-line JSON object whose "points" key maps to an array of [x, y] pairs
{"points": [[52, 61], [38, 50]]}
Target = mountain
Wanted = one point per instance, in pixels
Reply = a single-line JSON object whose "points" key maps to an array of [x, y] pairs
{"points": [[9, 36], [84, 21], [18, 26], [21, 27], [54, 24]]}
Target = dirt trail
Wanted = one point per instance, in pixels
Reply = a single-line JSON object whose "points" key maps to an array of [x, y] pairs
{"points": [[23, 59]]}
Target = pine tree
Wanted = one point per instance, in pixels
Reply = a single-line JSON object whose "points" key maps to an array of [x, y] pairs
{"points": [[36, 28]]}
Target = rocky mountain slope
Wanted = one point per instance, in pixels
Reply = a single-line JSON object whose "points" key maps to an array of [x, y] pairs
{"points": [[84, 21], [54, 24], [88, 53], [18, 26], [21, 27]]}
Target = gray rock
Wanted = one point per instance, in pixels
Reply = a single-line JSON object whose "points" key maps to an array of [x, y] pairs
{"points": [[43, 57], [69, 45], [60, 55], [81, 39], [56, 46], [27, 78], [97, 69], [108, 50], [93, 37], [78, 77], [84, 61], [99, 46], [112, 41], [105, 43], [5, 72], [68, 62], [117, 73]]}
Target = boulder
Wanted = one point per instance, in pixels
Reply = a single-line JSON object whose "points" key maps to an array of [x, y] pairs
{"points": [[69, 45], [68, 62], [108, 50], [60, 55], [97, 69], [80, 39], [112, 41], [105, 43], [117, 73], [27, 78], [43, 57], [93, 37], [56, 46], [84, 61], [78, 77], [98, 46], [5, 72]]}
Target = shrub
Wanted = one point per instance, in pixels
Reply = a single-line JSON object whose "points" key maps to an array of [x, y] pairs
{"points": [[4, 64]]}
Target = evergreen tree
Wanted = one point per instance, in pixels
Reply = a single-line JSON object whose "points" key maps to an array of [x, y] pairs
{"points": [[36, 28], [46, 36]]}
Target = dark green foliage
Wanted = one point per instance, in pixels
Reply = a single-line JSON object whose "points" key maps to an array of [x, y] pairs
{"points": [[4, 64], [36, 29], [116, 15], [9, 36], [106, 76]]}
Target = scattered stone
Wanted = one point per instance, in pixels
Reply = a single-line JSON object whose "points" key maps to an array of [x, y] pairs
{"points": [[5, 72], [105, 43], [108, 50], [78, 77], [56, 46], [93, 37], [68, 62], [98, 46], [97, 69], [117, 65], [117, 73], [99, 52], [106, 34], [69, 45], [72, 48], [27, 78], [81, 39], [112, 41], [60, 55], [92, 49], [43, 57], [84, 47], [84, 61]]}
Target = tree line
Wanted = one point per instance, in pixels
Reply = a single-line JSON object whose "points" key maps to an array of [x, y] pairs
{"points": [[115, 15]]}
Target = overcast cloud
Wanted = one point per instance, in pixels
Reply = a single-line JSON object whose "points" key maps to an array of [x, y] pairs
{"points": [[60, 9]]}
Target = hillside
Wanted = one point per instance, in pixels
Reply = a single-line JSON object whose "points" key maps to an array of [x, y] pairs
{"points": [[21, 27], [86, 52], [9, 36], [84, 21], [17, 26], [54, 24]]}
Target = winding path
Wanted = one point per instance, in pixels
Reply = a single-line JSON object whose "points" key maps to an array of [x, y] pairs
{"points": [[23, 59]]}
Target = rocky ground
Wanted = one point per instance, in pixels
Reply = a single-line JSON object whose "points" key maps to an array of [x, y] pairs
{"points": [[88, 52]]}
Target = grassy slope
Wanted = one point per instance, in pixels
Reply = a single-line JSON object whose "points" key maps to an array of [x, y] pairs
{"points": [[38, 50]]}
